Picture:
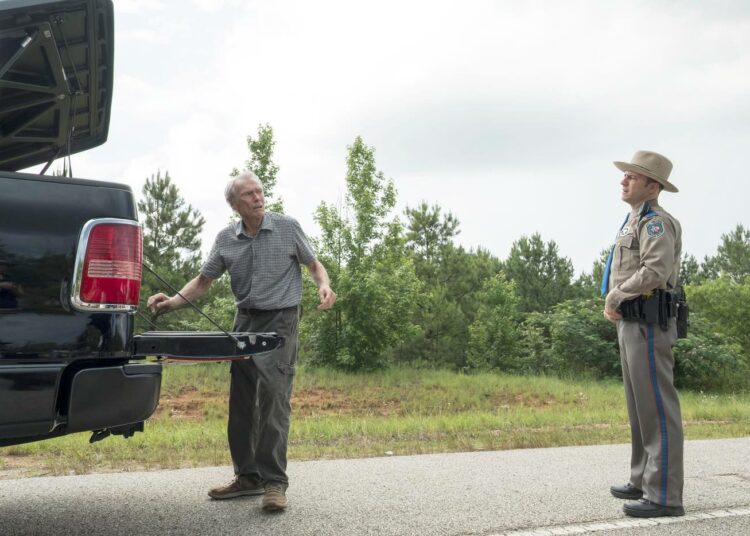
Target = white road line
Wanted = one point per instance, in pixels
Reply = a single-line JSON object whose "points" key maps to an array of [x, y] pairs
{"points": [[601, 526]]}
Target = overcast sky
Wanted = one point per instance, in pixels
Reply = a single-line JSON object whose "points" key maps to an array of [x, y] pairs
{"points": [[506, 113]]}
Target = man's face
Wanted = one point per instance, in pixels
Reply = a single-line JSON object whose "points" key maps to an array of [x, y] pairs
{"points": [[637, 188], [248, 199]]}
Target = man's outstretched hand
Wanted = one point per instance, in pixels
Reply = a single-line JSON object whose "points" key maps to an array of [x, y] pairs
{"points": [[327, 297], [158, 303]]}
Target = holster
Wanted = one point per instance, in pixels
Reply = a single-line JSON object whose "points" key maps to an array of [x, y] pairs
{"points": [[682, 313]]}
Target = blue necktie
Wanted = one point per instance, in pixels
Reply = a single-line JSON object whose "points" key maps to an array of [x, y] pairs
{"points": [[608, 266]]}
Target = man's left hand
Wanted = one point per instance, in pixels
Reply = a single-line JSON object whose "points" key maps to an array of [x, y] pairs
{"points": [[612, 315], [327, 297]]}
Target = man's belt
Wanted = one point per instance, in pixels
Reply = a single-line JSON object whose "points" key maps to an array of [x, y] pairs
{"points": [[254, 312], [655, 307]]}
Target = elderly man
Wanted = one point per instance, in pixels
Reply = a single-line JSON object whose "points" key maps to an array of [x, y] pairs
{"points": [[640, 271], [262, 253]]}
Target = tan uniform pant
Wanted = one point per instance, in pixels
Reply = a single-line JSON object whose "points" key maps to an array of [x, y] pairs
{"points": [[656, 464]]}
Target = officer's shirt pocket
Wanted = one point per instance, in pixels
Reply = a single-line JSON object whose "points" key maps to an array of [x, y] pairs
{"points": [[629, 257]]}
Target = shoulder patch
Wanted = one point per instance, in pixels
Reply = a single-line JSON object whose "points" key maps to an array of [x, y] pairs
{"points": [[655, 228]]}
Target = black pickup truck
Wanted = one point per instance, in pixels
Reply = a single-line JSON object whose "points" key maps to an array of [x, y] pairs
{"points": [[70, 249]]}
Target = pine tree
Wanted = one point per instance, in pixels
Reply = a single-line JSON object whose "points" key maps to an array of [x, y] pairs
{"points": [[543, 278], [171, 238]]}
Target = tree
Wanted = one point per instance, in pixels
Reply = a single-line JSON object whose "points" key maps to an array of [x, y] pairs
{"points": [[690, 271], [733, 254], [709, 360], [543, 278], [450, 303], [493, 336], [428, 235], [261, 163], [723, 304], [590, 284], [171, 237], [709, 269], [365, 257], [452, 284], [732, 258], [441, 325]]}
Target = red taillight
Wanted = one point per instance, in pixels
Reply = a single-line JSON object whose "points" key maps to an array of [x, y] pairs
{"points": [[112, 265]]}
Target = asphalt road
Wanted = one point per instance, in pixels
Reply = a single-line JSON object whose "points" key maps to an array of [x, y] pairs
{"points": [[532, 491]]}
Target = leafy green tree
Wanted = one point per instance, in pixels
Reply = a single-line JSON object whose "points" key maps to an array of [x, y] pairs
{"points": [[709, 360], [261, 163], [171, 239], [723, 304], [571, 339], [217, 303], [370, 198], [493, 336], [543, 278], [365, 256]]}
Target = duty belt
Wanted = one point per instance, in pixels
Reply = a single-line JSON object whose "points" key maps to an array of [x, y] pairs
{"points": [[655, 307]]}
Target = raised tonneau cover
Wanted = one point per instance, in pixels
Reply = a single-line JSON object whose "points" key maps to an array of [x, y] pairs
{"points": [[56, 73]]}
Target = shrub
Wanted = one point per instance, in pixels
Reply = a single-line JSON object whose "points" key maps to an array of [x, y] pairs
{"points": [[709, 361]]}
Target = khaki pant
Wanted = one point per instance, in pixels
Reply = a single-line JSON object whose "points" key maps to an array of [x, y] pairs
{"points": [[259, 407], [656, 464]]}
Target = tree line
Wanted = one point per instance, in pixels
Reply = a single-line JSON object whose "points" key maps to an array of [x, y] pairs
{"points": [[409, 295]]}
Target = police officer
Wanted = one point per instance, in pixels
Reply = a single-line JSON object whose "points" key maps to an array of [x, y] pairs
{"points": [[641, 269]]}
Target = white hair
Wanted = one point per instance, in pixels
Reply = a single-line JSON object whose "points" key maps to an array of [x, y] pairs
{"points": [[244, 176]]}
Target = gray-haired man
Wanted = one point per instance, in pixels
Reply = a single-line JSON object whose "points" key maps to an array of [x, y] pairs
{"points": [[262, 253]]}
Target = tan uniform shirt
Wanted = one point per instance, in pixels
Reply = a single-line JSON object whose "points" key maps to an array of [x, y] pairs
{"points": [[646, 255]]}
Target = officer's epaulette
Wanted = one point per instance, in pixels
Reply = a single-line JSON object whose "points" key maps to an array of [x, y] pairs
{"points": [[646, 211]]}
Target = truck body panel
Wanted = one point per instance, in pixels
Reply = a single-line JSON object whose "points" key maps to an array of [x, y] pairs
{"points": [[70, 249], [62, 370]]}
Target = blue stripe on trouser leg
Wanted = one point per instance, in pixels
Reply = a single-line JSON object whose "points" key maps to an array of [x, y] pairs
{"points": [[660, 411]]}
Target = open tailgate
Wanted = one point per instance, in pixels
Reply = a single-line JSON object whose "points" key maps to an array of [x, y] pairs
{"points": [[204, 345]]}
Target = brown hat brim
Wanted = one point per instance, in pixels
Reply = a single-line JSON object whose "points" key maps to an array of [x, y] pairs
{"points": [[627, 166]]}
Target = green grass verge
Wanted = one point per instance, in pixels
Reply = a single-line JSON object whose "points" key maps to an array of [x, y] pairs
{"points": [[398, 411]]}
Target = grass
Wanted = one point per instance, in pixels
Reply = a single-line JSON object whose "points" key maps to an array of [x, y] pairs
{"points": [[398, 411]]}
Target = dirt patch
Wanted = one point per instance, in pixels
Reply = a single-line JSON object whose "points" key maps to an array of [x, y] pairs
{"points": [[514, 400], [315, 401], [22, 466], [188, 404]]}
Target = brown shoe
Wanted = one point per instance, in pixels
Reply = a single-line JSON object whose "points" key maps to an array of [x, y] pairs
{"points": [[274, 499], [241, 485]]}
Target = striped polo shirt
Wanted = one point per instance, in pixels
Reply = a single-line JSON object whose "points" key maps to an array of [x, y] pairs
{"points": [[264, 271]]}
